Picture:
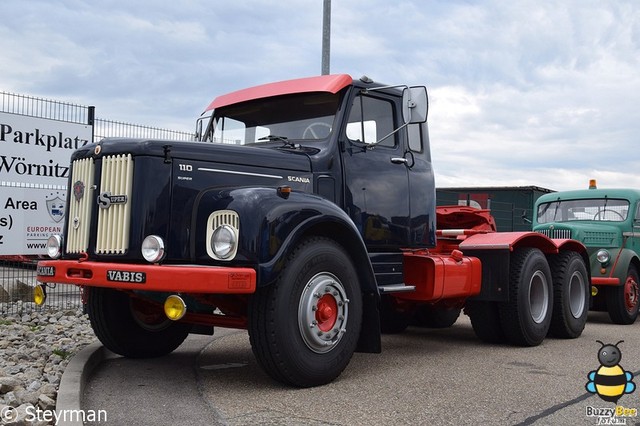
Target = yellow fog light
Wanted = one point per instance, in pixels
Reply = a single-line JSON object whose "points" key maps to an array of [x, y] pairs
{"points": [[594, 291], [39, 295], [174, 307]]}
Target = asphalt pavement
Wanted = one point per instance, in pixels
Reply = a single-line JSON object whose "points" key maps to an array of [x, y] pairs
{"points": [[423, 376]]}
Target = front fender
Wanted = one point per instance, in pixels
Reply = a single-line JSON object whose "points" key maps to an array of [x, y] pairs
{"points": [[271, 226], [618, 266]]}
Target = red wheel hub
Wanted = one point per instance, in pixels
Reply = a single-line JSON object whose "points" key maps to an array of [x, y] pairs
{"points": [[631, 293], [326, 312]]}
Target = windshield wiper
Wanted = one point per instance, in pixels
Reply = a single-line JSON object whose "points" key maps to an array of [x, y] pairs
{"points": [[283, 139]]}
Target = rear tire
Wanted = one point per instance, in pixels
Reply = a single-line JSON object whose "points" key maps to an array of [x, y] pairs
{"points": [[622, 300], [132, 327], [485, 320], [304, 327], [526, 317], [571, 295]]}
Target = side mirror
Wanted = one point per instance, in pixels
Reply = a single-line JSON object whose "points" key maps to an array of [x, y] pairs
{"points": [[415, 104], [198, 134]]}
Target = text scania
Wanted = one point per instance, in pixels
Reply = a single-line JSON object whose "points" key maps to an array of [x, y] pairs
{"points": [[19, 166], [41, 139]]}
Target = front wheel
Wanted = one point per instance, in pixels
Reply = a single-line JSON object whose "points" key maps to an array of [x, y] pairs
{"points": [[304, 327], [622, 301], [526, 317], [132, 327]]}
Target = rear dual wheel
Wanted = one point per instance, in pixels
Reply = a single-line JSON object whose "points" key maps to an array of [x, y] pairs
{"points": [[571, 295], [526, 317]]}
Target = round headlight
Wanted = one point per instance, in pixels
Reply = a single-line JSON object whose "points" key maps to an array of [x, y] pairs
{"points": [[54, 246], [223, 241], [153, 249], [603, 256]]}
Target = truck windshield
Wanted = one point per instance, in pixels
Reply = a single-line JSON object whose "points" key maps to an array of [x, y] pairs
{"points": [[599, 209], [306, 116]]}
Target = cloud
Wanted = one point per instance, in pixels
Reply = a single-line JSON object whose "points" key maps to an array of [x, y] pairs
{"points": [[532, 92]]}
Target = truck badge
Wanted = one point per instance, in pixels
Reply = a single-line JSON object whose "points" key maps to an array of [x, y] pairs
{"points": [[78, 190], [105, 199], [298, 179]]}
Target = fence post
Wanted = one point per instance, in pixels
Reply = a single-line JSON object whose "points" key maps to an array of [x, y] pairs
{"points": [[91, 116]]}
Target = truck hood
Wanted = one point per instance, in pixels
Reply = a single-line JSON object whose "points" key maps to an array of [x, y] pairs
{"points": [[589, 233], [268, 155]]}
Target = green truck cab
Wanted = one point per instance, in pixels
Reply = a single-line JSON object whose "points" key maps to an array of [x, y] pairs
{"points": [[607, 222]]}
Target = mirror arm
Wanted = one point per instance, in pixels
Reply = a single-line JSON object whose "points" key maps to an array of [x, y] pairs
{"points": [[371, 145]]}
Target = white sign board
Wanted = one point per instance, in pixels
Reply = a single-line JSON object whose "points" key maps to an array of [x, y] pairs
{"points": [[34, 168]]}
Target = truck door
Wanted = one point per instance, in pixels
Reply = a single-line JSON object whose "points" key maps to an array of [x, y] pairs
{"points": [[633, 242], [375, 176], [422, 189]]}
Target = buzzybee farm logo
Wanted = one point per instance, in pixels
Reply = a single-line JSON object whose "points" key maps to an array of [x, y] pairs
{"points": [[610, 382]]}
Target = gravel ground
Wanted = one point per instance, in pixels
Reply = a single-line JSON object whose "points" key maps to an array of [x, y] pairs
{"points": [[35, 348]]}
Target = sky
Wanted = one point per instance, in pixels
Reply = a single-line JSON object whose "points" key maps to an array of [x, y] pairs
{"points": [[522, 93]]}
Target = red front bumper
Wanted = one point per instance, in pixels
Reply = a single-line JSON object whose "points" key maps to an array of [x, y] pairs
{"points": [[166, 278], [605, 281]]}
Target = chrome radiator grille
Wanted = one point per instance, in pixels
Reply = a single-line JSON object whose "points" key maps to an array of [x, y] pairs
{"points": [[556, 233], [79, 215], [114, 199]]}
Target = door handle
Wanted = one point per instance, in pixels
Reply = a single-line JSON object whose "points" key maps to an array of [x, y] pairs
{"points": [[399, 160]]}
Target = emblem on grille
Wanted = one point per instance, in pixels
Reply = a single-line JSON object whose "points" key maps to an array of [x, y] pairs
{"points": [[105, 199], [78, 190]]}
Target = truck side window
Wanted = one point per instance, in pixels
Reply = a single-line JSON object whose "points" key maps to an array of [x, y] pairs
{"points": [[377, 121]]}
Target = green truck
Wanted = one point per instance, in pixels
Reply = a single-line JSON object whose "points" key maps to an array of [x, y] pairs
{"points": [[607, 222]]}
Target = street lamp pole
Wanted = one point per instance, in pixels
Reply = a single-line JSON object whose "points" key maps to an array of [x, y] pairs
{"points": [[326, 36]]}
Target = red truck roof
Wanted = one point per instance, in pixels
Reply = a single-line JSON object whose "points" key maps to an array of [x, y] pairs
{"points": [[325, 83]]}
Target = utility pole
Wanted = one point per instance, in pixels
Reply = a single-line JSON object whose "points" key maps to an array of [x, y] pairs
{"points": [[326, 36]]}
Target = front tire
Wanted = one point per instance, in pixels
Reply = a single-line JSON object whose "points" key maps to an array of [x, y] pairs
{"points": [[304, 327], [622, 300], [132, 327], [526, 317], [571, 295]]}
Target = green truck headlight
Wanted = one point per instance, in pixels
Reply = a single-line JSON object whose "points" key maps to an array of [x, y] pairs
{"points": [[603, 256]]}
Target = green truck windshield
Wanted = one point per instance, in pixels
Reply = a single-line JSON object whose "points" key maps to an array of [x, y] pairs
{"points": [[598, 209]]}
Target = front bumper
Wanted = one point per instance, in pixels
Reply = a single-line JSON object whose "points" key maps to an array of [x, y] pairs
{"points": [[166, 278], [605, 281]]}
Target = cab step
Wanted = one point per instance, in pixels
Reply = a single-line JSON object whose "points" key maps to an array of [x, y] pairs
{"points": [[396, 288]]}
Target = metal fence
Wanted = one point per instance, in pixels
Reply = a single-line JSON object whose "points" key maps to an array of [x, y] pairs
{"points": [[107, 128], [17, 273], [45, 108]]}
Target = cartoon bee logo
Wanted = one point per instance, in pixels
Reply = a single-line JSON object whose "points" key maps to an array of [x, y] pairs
{"points": [[610, 381]]}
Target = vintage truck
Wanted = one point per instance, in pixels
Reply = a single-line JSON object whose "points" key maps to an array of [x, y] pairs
{"points": [[304, 213], [607, 222]]}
